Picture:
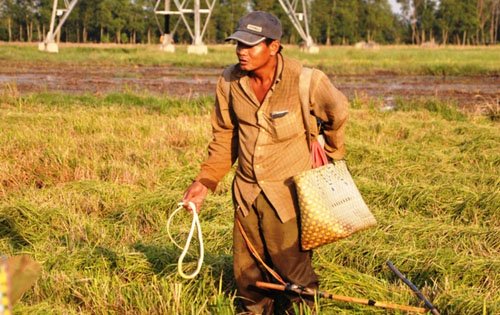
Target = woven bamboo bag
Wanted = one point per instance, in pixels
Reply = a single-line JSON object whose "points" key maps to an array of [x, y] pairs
{"points": [[331, 207]]}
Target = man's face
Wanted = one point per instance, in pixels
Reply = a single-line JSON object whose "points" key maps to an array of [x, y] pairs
{"points": [[254, 57]]}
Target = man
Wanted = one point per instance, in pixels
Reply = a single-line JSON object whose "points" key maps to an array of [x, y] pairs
{"points": [[260, 124]]}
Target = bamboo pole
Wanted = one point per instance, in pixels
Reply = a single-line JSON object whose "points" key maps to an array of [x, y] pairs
{"points": [[311, 292]]}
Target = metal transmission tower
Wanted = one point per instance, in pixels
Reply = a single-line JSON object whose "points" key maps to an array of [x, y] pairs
{"points": [[49, 44], [166, 39], [196, 32], [301, 22]]}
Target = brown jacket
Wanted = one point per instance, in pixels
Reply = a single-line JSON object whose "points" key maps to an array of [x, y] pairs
{"points": [[269, 139]]}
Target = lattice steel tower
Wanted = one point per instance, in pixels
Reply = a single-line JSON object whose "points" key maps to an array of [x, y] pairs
{"points": [[296, 10], [300, 21], [195, 31], [49, 44]]}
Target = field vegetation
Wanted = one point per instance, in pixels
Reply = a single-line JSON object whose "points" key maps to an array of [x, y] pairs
{"points": [[87, 183], [340, 60]]}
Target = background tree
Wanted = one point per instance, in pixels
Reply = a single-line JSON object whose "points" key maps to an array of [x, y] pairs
{"points": [[89, 20], [377, 21], [4, 21], [426, 11], [494, 22], [469, 21], [136, 21], [104, 19], [488, 12], [457, 20], [346, 21], [226, 16], [448, 18], [322, 13], [43, 17], [421, 15]]}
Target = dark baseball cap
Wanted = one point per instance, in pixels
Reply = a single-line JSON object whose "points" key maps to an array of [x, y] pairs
{"points": [[255, 27]]}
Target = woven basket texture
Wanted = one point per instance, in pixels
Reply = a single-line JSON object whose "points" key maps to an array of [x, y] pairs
{"points": [[331, 207]]}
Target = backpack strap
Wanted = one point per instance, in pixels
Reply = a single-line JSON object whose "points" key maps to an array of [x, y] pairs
{"points": [[226, 82], [309, 120]]}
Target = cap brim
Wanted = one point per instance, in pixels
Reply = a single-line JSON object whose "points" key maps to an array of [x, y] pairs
{"points": [[246, 38]]}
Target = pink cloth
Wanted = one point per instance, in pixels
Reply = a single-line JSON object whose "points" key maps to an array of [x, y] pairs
{"points": [[318, 155]]}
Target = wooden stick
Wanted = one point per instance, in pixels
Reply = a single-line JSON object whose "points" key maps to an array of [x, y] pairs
{"points": [[312, 292]]}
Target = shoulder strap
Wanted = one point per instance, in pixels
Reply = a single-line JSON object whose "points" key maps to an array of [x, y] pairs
{"points": [[226, 82], [304, 87]]}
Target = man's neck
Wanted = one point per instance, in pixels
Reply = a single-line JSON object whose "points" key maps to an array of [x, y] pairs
{"points": [[266, 73], [262, 80]]}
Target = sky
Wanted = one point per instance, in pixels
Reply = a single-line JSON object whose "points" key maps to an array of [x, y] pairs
{"points": [[395, 6]]}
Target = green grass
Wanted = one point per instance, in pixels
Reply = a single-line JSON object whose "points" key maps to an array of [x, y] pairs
{"points": [[87, 184], [441, 61]]}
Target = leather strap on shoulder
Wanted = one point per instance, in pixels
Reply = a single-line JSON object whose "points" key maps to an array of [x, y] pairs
{"points": [[304, 87], [226, 82]]}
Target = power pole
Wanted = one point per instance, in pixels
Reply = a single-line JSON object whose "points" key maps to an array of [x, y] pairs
{"points": [[50, 44], [300, 21], [166, 39], [196, 31]]}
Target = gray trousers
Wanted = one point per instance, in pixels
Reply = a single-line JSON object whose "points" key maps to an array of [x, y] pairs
{"points": [[278, 245]]}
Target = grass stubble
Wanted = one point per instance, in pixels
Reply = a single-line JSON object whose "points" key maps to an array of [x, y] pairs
{"points": [[87, 184]]}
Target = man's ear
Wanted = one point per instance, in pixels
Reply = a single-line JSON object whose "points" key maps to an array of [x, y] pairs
{"points": [[275, 47]]}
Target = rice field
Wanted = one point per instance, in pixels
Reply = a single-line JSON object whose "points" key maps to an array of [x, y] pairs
{"points": [[87, 185], [88, 182]]}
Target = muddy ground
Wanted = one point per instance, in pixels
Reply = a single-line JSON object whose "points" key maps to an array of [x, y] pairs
{"points": [[467, 92]]}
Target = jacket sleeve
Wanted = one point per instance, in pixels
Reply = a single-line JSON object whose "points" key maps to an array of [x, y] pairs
{"points": [[331, 106], [223, 148]]}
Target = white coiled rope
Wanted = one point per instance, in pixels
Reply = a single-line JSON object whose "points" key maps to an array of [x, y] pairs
{"points": [[194, 224]]}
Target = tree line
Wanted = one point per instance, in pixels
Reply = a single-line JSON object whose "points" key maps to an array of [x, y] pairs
{"points": [[345, 22]]}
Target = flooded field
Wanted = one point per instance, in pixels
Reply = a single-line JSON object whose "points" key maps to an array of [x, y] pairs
{"points": [[466, 91]]}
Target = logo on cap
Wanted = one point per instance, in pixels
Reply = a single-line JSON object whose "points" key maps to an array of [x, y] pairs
{"points": [[254, 28]]}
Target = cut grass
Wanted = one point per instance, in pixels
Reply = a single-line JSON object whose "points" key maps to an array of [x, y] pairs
{"points": [[88, 182]]}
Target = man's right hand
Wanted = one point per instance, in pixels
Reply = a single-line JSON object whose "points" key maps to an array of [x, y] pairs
{"points": [[195, 193]]}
